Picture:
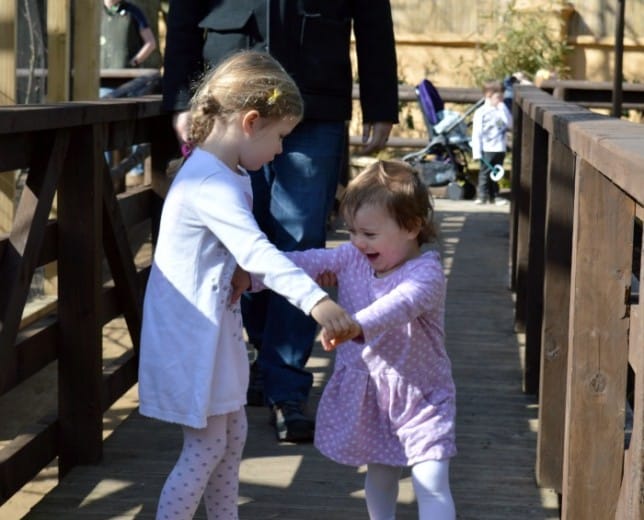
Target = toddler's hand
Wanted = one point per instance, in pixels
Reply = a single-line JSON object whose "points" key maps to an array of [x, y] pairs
{"points": [[337, 324], [330, 343], [240, 283], [326, 279]]}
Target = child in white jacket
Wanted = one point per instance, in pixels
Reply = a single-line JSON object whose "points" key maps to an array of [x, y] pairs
{"points": [[491, 122]]}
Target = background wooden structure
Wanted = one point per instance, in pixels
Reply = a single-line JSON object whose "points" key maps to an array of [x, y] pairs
{"points": [[577, 247], [62, 148]]}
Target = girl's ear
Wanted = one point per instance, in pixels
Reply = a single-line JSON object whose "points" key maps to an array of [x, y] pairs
{"points": [[250, 121], [414, 230]]}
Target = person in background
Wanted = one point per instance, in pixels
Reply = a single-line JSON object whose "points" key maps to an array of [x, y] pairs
{"points": [[127, 41], [126, 37], [294, 193], [390, 402], [490, 124], [193, 367]]}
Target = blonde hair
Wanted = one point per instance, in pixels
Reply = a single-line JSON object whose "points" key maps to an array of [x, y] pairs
{"points": [[395, 186], [246, 80]]}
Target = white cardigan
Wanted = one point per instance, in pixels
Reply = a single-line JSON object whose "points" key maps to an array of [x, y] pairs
{"points": [[193, 360]]}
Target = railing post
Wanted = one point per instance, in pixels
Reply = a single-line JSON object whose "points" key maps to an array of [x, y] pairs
{"points": [[534, 280], [521, 203], [598, 346], [556, 300], [517, 117], [80, 203], [630, 502]]}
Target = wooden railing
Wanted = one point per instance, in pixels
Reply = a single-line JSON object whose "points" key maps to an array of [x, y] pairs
{"points": [[576, 248], [61, 147]]}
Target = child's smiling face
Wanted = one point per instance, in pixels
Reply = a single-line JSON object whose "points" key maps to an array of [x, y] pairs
{"points": [[379, 237]]}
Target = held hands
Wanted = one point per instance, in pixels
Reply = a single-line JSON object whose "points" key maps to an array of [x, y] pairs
{"points": [[337, 325], [326, 279]]}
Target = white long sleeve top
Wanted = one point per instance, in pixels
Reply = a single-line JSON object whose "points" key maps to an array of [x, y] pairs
{"points": [[489, 127], [193, 359]]}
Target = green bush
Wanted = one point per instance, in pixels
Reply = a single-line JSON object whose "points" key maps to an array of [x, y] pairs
{"points": [[524, 41]]}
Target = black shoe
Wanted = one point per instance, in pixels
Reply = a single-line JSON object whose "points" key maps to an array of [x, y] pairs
{"points": [[291, 425], [255, 392]]}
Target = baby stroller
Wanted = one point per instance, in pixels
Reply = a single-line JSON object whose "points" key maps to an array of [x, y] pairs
{"points": [[444, 161]]}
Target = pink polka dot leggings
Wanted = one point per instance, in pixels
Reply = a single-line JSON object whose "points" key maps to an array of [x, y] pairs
{"points": [[208, 467]]}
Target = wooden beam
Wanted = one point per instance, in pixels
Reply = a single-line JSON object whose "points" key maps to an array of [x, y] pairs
{"points": [[58, 45], [598, 346], [86, 61], [556, 301], [8, 15]]}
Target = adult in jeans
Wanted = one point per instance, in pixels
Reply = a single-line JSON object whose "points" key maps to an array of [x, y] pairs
{"points": [[294, 194]]}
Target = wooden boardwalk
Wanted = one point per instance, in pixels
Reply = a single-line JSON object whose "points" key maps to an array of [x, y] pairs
{"points": [[492, 477]]}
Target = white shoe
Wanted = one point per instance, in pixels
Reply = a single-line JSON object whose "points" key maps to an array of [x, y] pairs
{"points": [[500, 202], [479, 201]]}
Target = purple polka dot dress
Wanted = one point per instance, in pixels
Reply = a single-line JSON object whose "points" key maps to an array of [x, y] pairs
{"points": [[391, 397]]}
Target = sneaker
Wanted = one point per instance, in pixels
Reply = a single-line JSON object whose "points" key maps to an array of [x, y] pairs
{"points": [[500, 202], [479, 201], [255, 392], [291, 425]]}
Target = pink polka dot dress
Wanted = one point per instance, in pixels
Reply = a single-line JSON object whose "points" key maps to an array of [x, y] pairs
{"points": [[391, 397]]}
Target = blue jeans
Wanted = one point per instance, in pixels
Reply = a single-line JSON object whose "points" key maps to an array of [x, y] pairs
{"points": [[293, 196]]}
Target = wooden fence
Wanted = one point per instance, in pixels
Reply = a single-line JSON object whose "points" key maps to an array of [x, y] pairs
{"points": [[61, 148], [576, 247]]}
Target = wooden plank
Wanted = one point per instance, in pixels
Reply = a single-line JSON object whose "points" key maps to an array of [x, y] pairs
{"points": [[80, 203], [35, 348], [32, 118], [521, 204], [86, 51], [58, 45], [26, 456], [515, 210], [630, 502], [8, 17], [598, 347], [121, 260], [556, 301], [20, 259], [535, 265]]}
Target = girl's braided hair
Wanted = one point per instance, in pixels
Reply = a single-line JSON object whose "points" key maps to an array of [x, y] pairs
{"points": [[246, 80]]}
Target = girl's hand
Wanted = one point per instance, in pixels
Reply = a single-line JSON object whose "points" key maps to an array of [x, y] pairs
{"points": [[181, 124], [326, 279], [330, 343], [240, 283], [337, 324]]}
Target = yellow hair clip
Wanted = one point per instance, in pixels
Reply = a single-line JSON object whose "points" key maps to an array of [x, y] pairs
{"points": [[273, 97]]}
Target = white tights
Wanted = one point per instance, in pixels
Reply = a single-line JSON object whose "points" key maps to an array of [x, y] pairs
{"points": [[431, 485], [208, 467]]}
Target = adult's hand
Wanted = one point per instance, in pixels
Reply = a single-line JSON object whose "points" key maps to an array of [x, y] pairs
{"points": [[181, 124], [375, 135]]}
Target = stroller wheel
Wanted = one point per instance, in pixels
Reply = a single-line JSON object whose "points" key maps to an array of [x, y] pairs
{"points": [[469, 190]]}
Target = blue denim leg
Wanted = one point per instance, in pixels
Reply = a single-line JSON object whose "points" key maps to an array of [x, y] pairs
{"points": [[292, 199]]}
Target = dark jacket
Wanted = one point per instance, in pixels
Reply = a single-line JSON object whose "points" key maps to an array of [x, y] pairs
{"points": [[310, 38]]}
